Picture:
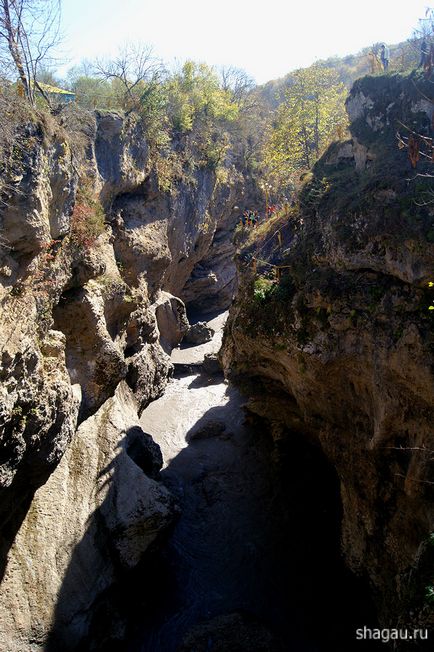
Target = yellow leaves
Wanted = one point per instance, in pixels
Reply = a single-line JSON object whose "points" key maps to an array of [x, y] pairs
{"points": [[431, 285], [311, 116], [195, 92]]}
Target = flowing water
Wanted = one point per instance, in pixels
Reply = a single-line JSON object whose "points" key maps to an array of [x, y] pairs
{"points": [[257, 539]]}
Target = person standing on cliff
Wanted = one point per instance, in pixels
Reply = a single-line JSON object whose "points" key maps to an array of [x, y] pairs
{"points": [[384, 56]]}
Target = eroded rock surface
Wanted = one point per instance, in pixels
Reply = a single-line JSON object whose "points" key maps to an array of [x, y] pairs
{"points": [[341, 349], [199, 333], [94, 258], [172, 320], [97, 511]]}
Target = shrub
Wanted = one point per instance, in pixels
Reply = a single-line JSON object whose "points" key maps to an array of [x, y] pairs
{"points": [[263, 288], [87, 222]]}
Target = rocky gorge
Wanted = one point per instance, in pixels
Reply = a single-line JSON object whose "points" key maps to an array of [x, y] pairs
{"points": [[94, 260], [228, 513], [341, 347]]}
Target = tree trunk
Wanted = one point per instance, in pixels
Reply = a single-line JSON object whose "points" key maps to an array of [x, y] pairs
{"points": [[317, 103], [306, 146], [15, 51]]}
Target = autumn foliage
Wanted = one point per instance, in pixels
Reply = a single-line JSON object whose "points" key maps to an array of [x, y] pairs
{"points": [[87, 222]]}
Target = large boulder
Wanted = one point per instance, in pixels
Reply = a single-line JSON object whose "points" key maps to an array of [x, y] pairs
{"points": [[171, 320], [199, 333], [211, 364]]}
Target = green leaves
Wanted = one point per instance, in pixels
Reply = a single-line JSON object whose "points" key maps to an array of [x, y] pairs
{"points": [[312, 115], [195, 94]]}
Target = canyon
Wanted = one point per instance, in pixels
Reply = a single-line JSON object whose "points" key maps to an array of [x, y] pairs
{"points": [[278, 506]]}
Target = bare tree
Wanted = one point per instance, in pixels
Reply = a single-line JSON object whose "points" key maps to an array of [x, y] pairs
{"points": [[29, 29], [13, 113], [425, 28], [237, 82], [86, 68], [423, 38], [136, 70]]}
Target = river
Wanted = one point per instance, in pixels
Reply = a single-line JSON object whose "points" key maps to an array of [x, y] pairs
{"points": [[246, 565]]}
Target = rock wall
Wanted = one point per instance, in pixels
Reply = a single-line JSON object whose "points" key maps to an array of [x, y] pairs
{"points": [[98, 512], [341, 347], [92, 252]]}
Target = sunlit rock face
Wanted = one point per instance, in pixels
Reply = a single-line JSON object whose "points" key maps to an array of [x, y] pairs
{"points": [[96, 512], [341, 349], [85, 312]]}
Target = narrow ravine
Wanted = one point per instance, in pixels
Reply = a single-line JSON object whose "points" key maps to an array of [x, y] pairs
{"points": [[245, 566]]}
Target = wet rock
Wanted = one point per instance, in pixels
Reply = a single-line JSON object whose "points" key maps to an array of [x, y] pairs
{"points": [[199, 333]]}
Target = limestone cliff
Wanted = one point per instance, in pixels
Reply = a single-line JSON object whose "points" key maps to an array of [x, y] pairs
{"points": [[341, 347], [93, 248]]}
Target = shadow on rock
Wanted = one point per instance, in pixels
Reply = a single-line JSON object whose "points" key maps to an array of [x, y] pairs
{"points": [[94, 603], [235, 632], [256, 548], [204, 380]]}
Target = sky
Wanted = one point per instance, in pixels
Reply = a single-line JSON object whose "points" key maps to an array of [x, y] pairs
{"points": [[267, 39]]}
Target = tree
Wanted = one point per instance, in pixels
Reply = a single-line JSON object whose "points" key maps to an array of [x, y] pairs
{"points": [[423, 38], [29, 29], [92, 93], [195, 95], [134, 74], [237, 83], [46, 75], [247, 132], [312, 114], [425, 27], [201, 110], [85, 68]]}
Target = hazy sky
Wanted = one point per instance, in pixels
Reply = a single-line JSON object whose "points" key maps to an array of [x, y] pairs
{"points": [[267, 39]]}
